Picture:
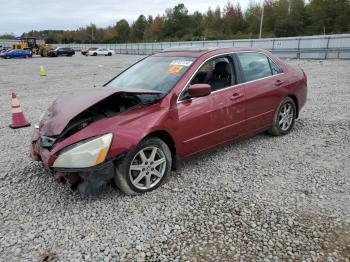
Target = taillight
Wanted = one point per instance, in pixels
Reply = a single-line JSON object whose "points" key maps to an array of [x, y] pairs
{"points": [[305, 79]]}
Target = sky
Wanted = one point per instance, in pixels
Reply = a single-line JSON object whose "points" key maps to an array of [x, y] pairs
{"points": [[18, 16]]}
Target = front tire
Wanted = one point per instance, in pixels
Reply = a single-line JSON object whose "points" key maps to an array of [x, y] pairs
{"points": [[284, 119], [145, 168]]}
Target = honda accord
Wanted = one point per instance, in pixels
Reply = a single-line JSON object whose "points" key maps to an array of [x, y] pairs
{"points": [[162, 110]]}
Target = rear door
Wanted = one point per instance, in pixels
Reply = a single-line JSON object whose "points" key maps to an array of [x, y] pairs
{"points": [[261, 85]]}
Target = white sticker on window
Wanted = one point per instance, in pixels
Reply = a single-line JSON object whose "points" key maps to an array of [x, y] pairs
{"points": [[180, 63]]}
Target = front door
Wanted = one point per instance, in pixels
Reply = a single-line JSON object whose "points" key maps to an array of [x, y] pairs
{"points": [[216, 118], [195, 124]]}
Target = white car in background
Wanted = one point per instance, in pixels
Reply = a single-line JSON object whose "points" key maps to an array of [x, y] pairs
{"points": [[100, 51]]}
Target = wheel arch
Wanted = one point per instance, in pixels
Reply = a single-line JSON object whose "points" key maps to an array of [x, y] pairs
{"points": [[295, 99], [168, 139]]}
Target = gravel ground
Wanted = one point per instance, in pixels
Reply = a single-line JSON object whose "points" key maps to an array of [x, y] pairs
{"points": [[264, 198]]}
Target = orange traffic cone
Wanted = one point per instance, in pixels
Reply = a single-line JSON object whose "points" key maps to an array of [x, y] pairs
{"points": [[18, 119]]}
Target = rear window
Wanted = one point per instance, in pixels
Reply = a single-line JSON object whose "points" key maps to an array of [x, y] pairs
{"points": [[254, 66], [274, 68]]}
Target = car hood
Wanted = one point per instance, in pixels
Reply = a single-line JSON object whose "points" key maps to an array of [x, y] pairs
{"points": [[71, 104]]}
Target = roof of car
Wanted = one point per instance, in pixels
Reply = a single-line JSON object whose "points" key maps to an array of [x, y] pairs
{"points": [[198, 51]]}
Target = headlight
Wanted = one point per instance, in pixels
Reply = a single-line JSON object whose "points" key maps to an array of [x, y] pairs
{"points": [[85, 154]]}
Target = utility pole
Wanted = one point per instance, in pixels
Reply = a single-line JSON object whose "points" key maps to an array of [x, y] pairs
{"points": [[261, 18], [92, 33]]}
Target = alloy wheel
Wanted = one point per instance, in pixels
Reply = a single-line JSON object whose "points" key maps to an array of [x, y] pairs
{"points": [[147, 168], [286, 116]]}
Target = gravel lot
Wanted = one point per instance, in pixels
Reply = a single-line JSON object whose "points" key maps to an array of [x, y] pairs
{"points": [[264, 198]]}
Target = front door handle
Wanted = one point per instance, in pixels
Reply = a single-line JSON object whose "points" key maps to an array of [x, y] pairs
{"points": [[236, 96]]}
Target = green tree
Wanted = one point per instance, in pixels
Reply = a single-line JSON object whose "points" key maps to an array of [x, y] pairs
{"points": [[329, 16], [197, 22], [252, 19], [177, 23], [232, 19], [154, 31], [138, 29], [122, 30], [213, 24], [342, 19], [7, 36], [281, 18]]}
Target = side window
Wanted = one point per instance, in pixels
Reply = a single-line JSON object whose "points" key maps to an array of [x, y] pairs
{"points": [[274, 68], [254, 66], [217, 72]]}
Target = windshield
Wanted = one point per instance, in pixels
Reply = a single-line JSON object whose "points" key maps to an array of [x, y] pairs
{"points": [[154, 73]]}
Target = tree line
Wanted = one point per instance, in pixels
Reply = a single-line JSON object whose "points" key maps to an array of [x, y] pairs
{"points": [[282, 18]]}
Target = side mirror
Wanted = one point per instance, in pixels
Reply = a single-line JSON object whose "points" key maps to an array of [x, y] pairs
{"points": [[199, 90]]}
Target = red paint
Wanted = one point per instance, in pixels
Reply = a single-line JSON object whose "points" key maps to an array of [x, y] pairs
{"points": [[199, 90], [195, 125]]}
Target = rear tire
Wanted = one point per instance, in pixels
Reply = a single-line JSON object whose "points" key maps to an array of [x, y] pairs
{"points": [[145, 168], [94, 54], [284, 119], [109, 54], [44, 53]]}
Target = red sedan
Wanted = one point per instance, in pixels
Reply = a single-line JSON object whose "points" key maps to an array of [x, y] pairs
{"points": [[164, 109]]}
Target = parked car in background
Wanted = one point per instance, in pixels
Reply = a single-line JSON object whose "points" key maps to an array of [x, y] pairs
{"points": [[85, 51], [16, 53], [101, 51], [164, 109], [3, 49], [62, 51]]}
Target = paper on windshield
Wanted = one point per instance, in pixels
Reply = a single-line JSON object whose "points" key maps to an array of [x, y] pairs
{"points": [[181, 63], [175, 69]]}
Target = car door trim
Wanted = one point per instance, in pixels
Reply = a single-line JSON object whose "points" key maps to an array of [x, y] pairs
{"points": [[212, 132], [228, 87]]}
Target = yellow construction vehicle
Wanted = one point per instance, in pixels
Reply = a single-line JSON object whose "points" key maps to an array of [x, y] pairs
{"points": [[31, 44]]}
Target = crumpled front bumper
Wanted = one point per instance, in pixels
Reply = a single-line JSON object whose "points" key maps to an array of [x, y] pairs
{"points": [[89, 181], [38, 153]]}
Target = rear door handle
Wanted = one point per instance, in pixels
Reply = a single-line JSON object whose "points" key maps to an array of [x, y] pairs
{"points": [[236, 96], [278, 82]]}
